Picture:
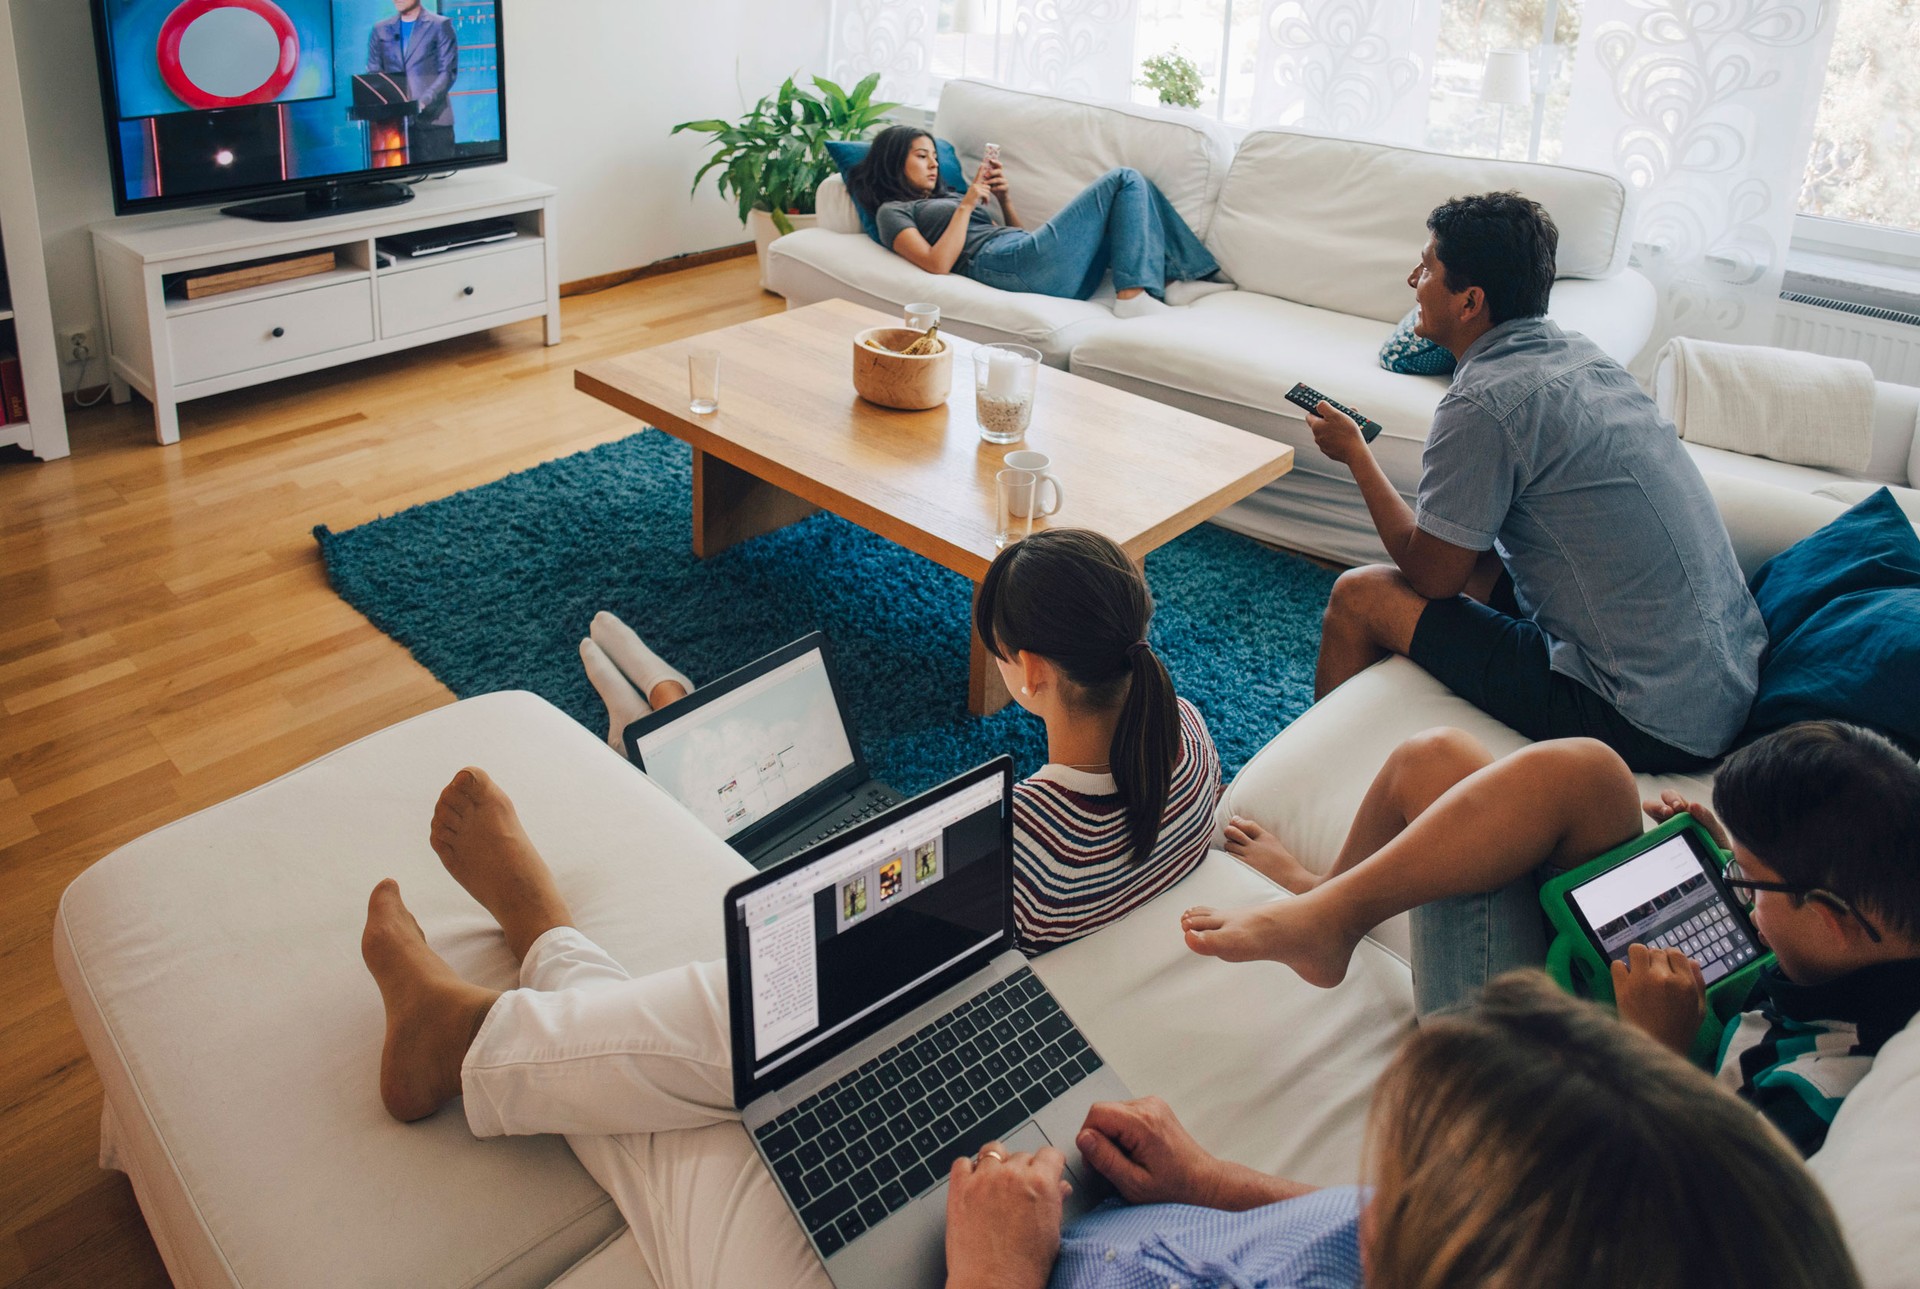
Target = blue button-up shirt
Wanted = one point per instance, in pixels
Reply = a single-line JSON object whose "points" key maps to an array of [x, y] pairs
{"points": [[1548, 451], [1308, 1243]]}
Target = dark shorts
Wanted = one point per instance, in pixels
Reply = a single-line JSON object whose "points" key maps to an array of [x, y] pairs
{"points": [[1497, 660]]}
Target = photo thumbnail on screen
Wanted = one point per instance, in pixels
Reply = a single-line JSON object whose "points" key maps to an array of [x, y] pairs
{"points": [[213, 96]]}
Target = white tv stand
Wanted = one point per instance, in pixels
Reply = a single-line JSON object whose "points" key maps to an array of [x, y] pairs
{"points": [[173, 349]]}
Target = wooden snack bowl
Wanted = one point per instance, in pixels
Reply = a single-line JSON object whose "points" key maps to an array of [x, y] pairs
{"points": [[893, 379]]}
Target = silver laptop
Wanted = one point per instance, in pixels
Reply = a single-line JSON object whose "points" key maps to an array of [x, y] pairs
{"points": [[884, 1025], [765, 756]]}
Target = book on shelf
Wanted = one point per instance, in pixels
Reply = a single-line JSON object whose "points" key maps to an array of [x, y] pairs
{"points": [[13, 391]]}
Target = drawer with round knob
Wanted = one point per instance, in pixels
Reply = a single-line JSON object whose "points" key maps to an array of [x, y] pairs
{"points": [[419, 298], [259, 333]]}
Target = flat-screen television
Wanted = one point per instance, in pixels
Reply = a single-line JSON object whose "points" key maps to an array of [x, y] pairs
{"points": [[309, 103]]}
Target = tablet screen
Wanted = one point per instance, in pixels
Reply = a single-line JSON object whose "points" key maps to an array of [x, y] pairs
{"points": [[1666, 898]]}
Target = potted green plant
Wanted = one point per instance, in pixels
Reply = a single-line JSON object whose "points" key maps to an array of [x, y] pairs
{"points": [[772, 159], [1174, 77]]}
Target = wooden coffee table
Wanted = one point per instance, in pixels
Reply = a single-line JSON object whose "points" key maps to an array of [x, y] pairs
{"points": [[791, 437]]}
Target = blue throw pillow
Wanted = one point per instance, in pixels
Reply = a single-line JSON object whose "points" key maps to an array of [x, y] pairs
{"points": [[1842, 608], [1414, 355], [848, 155]]}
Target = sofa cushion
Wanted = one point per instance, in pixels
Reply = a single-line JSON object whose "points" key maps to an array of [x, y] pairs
{"points": [[1247, 350], [1412, 354], [847, 154], [1843, 623], [1262, 1067], [1052, 147], [813, 265], [1338, 223]]}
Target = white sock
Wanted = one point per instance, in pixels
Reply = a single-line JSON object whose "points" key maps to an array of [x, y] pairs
{"points": [[624, 703], [1183, 293], [630, 654], [1140, 306]]}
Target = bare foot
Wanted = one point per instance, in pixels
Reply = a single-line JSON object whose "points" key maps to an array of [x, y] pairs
{"points": [[1292, 931], [1261, 851], [432, 1014], [477, 834]]}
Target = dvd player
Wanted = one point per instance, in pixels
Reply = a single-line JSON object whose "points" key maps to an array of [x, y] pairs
{"points": [[452, 237]]}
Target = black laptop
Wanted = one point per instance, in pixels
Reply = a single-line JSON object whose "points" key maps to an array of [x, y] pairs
{"points": [[765, 756]]}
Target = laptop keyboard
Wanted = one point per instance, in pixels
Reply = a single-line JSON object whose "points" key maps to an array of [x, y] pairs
{"points": [[1712, 939], [862, 1148], [858, 810]]}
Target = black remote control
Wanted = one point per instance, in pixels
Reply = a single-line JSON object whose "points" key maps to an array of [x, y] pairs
{"points": [[1305, 395]]}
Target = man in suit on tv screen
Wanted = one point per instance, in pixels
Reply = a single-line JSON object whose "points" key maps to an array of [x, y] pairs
{"points": [[420, 46]]}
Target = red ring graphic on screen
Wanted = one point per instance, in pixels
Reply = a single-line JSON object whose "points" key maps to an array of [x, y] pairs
{"points": [[174, 30]]}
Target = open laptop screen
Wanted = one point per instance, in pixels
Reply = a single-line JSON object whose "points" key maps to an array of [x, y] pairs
{"points": [[735, 760], [837, 943]]}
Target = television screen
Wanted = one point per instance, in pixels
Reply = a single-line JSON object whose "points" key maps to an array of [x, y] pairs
{"points": [[212, 99]]}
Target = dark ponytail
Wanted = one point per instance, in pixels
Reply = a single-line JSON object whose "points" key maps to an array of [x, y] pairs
{"points": [[1074, 598]]}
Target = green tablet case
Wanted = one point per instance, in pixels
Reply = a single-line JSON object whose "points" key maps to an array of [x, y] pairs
{"points": [[1578, 967]]}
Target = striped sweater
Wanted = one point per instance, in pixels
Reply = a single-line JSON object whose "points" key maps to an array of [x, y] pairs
{"points": [[1074, 870]]}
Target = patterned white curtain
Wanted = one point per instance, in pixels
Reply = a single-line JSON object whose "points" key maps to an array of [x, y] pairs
{"points": [[1362, 68], [892, 37], [1707, 110], [1078, 47]]}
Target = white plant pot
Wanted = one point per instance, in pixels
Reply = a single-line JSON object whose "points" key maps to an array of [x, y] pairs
{"points": [[765, 234]]}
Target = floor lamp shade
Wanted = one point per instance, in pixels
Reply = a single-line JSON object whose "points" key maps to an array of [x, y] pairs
{"points": [[1507, 79]]}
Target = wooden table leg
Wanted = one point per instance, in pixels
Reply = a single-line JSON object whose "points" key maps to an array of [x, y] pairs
{"points": [[986, 691], [730, 505]]}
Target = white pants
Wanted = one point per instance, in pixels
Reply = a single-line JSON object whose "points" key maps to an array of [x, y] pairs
{"points": [[637, 1075]]}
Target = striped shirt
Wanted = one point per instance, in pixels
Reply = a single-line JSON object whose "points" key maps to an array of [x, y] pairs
{"points": [[1074, 870], [1803, 1048]]}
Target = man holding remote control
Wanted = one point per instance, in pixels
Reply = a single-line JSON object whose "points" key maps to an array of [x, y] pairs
{"points": [[1564, 567]]}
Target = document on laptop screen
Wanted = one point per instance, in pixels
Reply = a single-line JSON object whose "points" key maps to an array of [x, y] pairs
{"points": [[845, 934], [735, 760]]}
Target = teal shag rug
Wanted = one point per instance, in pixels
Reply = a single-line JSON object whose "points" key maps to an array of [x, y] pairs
{"points": [[494, 587]]}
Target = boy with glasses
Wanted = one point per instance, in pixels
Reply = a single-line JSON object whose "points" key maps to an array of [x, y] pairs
{"points": [[1823, 822]]}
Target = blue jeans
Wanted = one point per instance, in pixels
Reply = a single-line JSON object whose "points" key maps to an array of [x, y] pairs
{"points": [[1459, 944], [1120, 222]]}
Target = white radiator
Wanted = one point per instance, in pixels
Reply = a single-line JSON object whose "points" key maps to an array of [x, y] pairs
{"points": [[1887, 341]]}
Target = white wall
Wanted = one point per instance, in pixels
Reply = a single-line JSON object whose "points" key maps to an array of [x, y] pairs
{"points": [[593, 86]]}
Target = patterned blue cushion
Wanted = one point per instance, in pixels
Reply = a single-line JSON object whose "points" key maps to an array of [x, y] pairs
{"points": [[1413, 355]]}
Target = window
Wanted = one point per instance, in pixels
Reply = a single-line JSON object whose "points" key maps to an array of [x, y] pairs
{"points": [[1866, 140]]}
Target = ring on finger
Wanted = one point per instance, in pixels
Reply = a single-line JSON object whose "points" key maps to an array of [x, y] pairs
{"points": [[987, 1152]]}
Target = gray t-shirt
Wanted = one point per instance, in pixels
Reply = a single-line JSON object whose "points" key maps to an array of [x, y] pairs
{"points": [[931, 215], [1548, 451]]}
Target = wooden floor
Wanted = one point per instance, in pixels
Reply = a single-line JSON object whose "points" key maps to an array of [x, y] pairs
{"points": [[168, 640]]}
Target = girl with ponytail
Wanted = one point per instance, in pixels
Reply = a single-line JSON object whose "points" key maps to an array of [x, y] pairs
{"points": [[1124, 807]]}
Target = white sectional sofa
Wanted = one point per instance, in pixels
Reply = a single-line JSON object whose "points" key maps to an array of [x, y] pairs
{"points": [[1318, 232], [213, 969]]}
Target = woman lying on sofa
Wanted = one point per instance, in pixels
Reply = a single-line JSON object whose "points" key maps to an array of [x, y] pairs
{"points": [[1532, 1141], [1121, 222], [1124, 807]]}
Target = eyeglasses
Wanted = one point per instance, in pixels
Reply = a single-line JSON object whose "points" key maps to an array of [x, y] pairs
{"points": [[1736, 877]]}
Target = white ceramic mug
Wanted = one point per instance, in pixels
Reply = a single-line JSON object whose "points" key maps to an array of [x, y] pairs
{"points": [[1036, 463]]}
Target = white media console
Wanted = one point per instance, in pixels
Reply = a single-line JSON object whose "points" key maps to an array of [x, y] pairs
{"points": [[173, 349]]}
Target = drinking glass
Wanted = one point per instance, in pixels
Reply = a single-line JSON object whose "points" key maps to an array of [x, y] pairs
{"points": [[703, 381], [1013, 505], [923, 317], [1005, 378]]}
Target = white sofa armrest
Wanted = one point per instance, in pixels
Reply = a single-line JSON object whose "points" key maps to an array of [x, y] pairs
{"points": [[834, 204], [1615, 312], [1764, 519], [1895, 455]]}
